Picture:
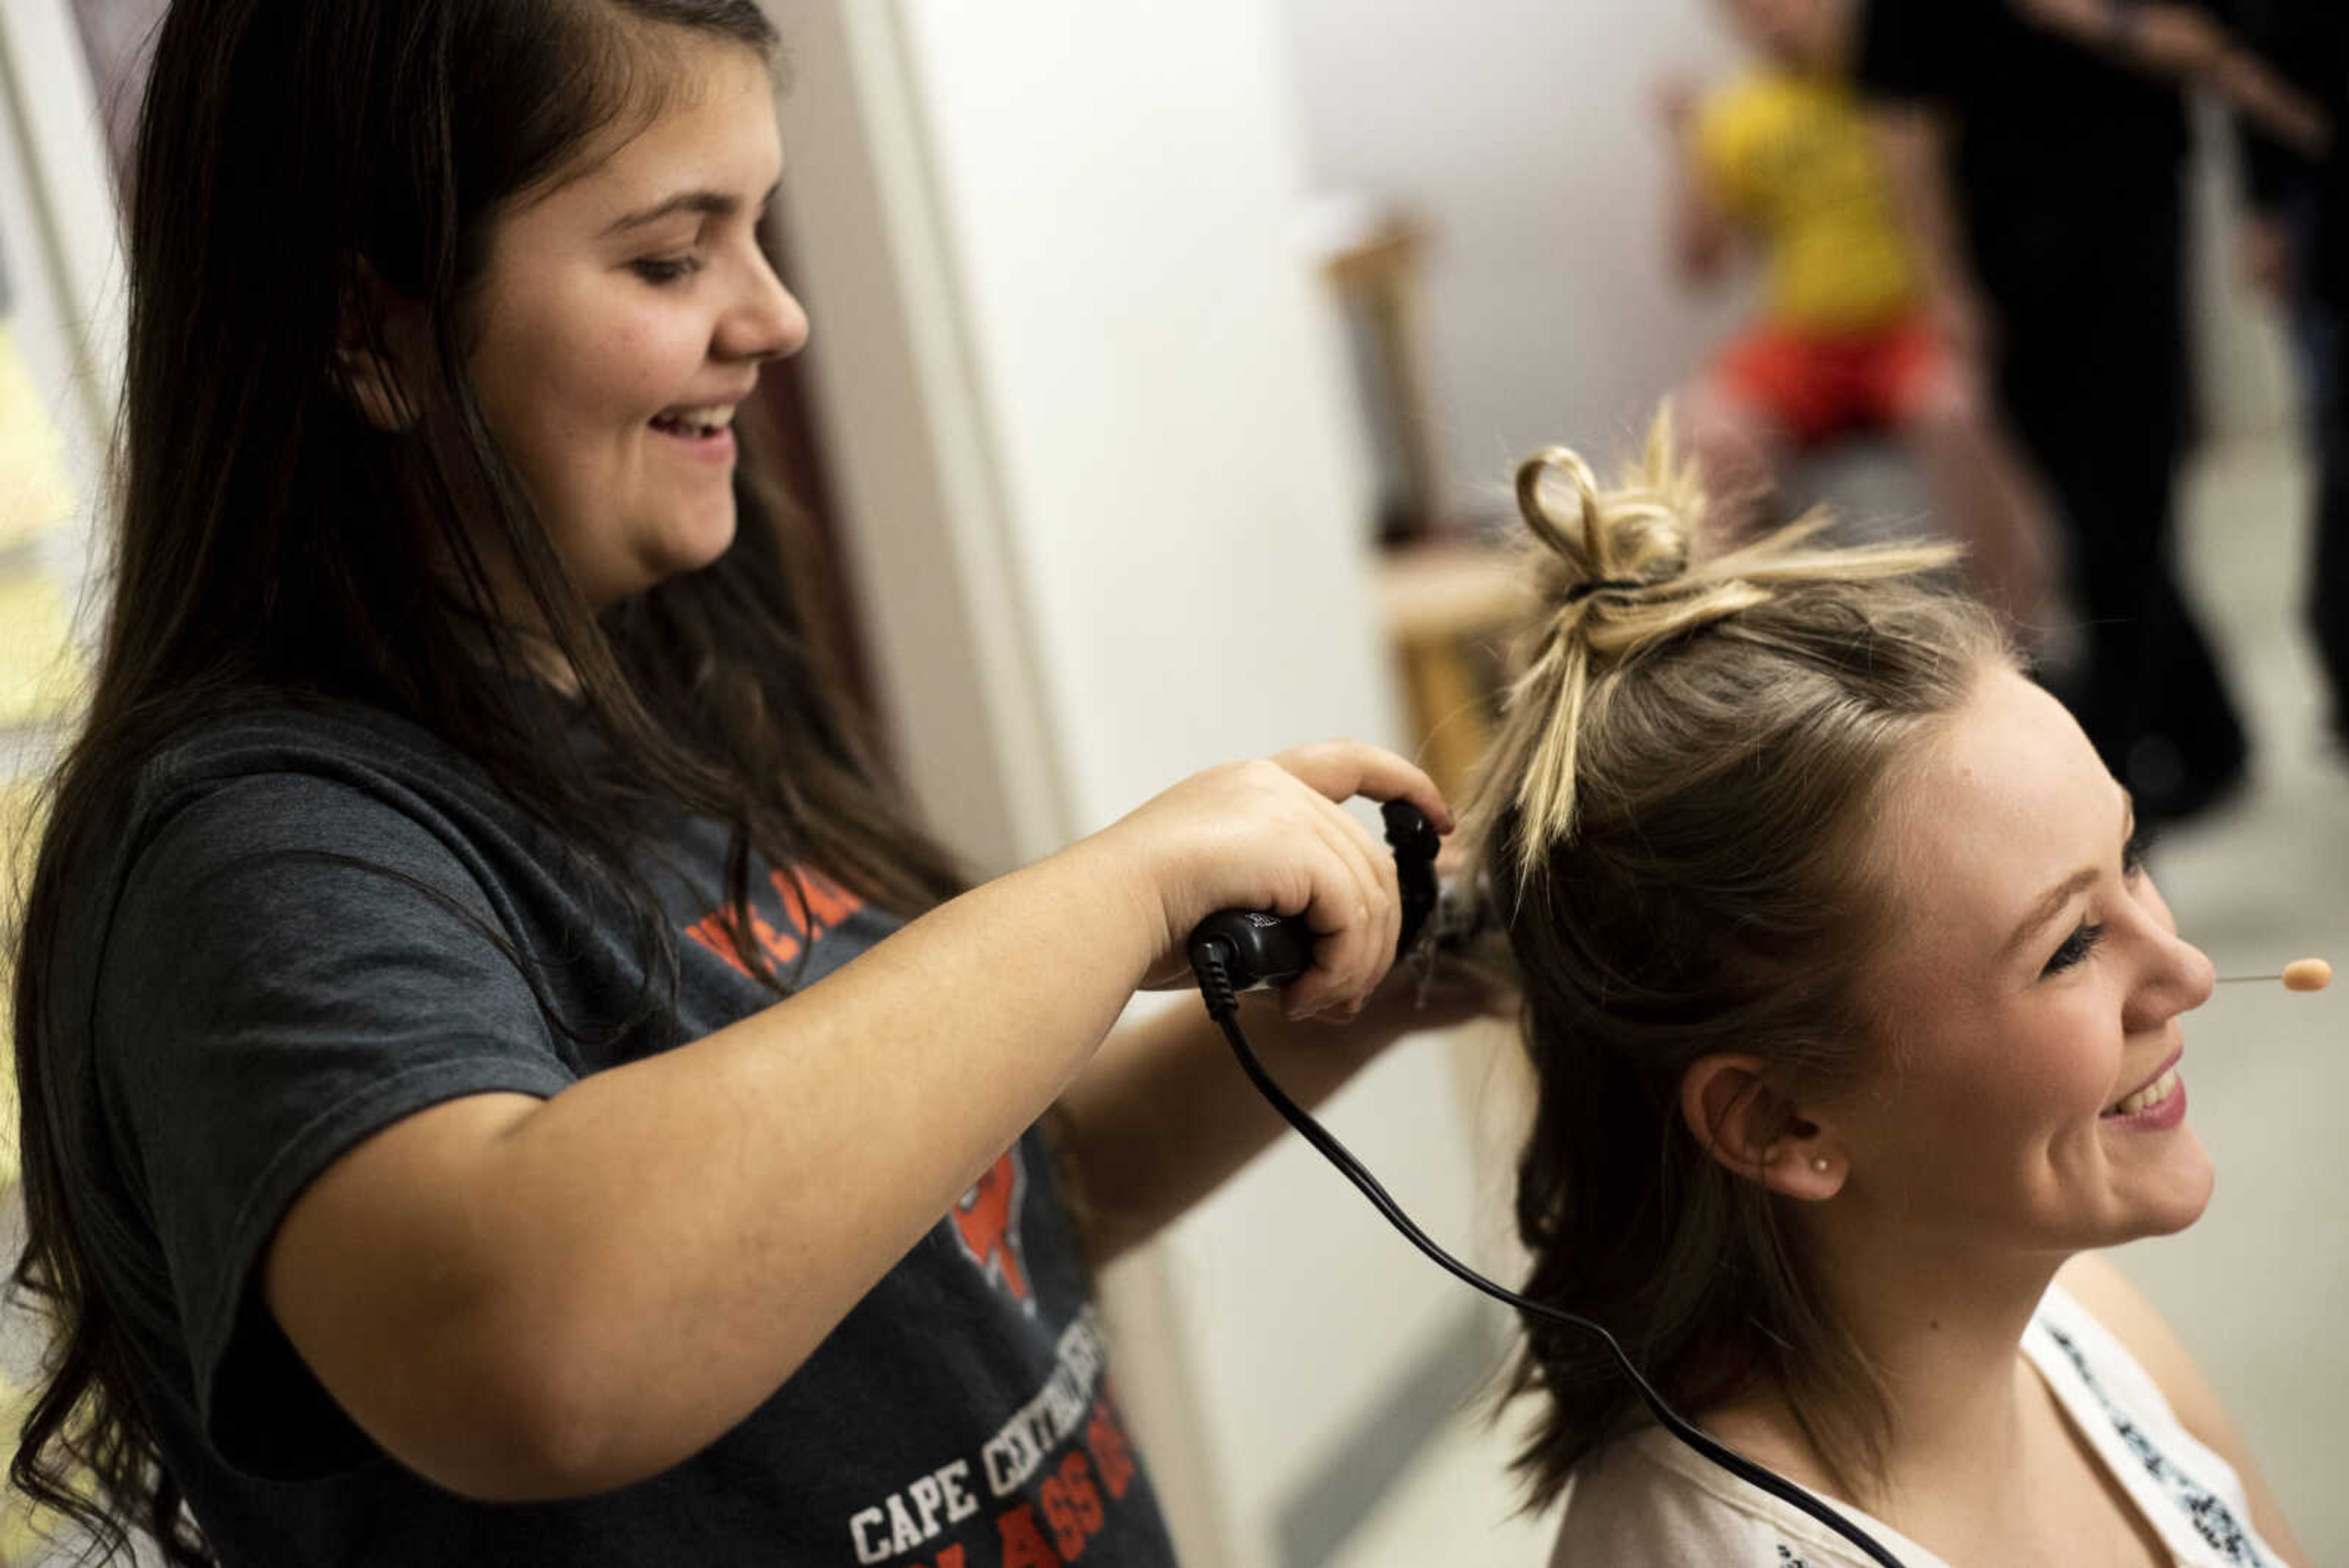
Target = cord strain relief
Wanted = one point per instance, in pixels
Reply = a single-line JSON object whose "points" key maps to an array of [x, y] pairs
{"points": [[1207, 962]]}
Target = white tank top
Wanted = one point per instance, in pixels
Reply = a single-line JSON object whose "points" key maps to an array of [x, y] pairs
{"points": [[1649, 1503]]}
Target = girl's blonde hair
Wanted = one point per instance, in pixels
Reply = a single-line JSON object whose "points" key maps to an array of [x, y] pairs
{"points": [[1675, 821]]}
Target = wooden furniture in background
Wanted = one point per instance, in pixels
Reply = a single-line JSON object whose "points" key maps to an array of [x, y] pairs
{"points": [[1373, 255], [1449, 606]]}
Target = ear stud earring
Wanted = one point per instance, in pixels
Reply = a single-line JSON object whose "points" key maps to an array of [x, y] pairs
{"points": [[1819, 1164]]}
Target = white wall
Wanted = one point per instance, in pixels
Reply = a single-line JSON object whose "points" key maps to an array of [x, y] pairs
{"points": [[1524, 132], [1047, 249]]}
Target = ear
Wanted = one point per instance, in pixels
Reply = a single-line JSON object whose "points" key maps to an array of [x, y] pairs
{"points": [[1758, 1133], [377, 345]]}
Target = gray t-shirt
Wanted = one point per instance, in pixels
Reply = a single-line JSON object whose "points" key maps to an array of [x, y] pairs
{"points": [[306, 928]]}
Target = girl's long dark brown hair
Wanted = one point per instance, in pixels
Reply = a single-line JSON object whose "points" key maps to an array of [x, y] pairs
{"points": [[294, 158]]}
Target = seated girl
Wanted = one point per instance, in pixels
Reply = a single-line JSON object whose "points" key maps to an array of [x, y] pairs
{"points": [[1856, 1020]]}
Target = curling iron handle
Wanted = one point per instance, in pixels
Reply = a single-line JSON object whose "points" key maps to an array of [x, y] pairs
{"points": [[1274, 950]]}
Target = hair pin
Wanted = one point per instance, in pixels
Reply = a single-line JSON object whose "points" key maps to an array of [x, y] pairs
{"points": [[1581, 591]]}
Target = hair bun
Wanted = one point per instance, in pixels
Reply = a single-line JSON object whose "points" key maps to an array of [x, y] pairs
{"points": [[1627, 551], [1632, 537]]}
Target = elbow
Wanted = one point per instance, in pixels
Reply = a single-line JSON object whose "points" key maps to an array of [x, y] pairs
{"points": [[532, 1416], [600, 1402], [517, 1439], [552, 1459]]}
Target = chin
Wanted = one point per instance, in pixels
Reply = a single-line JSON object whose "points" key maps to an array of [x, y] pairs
{"points": [[2177, 1194], [691, 544]]}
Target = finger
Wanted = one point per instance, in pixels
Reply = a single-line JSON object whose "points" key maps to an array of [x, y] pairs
{"points": [[1373, 866], [1381, 855], [1336, 908], [1337, 911], [1340, 770], [1358, 955]]}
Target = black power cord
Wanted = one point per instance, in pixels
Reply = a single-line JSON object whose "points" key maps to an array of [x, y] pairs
{"points": [[1213, 959]]}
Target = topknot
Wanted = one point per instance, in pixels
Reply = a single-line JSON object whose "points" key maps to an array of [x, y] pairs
{"points": [[1616, 576], [1642, 530]]}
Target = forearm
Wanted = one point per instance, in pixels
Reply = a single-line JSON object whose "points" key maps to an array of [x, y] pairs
{"points": [[688, 1228], [1163, 1114], [2091, 23], [2174, 42]]}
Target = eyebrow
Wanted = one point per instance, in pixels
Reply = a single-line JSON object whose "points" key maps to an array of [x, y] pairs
{"points": [[2052, 902], [709, 203]]}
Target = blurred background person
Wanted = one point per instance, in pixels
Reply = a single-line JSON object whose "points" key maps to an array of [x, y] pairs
{"points": [[1782, 157], [2051, 236], [2296, 244]]}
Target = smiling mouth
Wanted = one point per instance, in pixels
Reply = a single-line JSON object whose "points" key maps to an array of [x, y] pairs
{"points": [[700, 422], [2163, 1085]]}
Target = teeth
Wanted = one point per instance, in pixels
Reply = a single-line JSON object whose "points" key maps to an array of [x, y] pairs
{"points": [[2153, 1094], [715, 417]]}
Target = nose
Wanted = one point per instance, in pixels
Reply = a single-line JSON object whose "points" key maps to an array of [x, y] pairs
{"points": [[766, 322], [2176, 977]]}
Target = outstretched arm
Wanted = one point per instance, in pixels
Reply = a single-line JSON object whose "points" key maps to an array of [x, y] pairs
{"points": [[524, 1299], [2187, 43]]}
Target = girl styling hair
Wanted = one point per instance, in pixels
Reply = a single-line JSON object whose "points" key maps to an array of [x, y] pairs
{"points": [[1673, 825], [295, 526]]}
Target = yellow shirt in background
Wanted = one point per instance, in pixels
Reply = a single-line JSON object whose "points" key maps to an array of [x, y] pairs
{"points": [[1792, 158]]}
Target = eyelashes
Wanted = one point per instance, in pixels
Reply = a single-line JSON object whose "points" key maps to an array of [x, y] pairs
{"points": [[2075, 949], [661, 272]]}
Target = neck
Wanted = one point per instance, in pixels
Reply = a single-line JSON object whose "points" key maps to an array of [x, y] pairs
{"points": [[1942, 1332]]}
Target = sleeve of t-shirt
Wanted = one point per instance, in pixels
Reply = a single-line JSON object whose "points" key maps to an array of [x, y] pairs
{"points": [[1907, 48], [292, 965], [1723, 163]]}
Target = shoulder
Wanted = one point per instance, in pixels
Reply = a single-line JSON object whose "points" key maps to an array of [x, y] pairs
{"points": [[1622, 1506], [2101, 1292], [364, 748], [2092, 1295], [1732, 122], [1647, 1500], [1735, 111], [330, 777], [278, 825]]}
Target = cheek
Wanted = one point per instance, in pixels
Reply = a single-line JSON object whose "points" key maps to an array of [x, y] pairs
{"points": [[583, 364], [605, 386], [643, 364], [2011, 1076], [2063, 1053]]}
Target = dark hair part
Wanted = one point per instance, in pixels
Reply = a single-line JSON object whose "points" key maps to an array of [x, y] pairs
{"points": [[1676, 826], [294, 159]]}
